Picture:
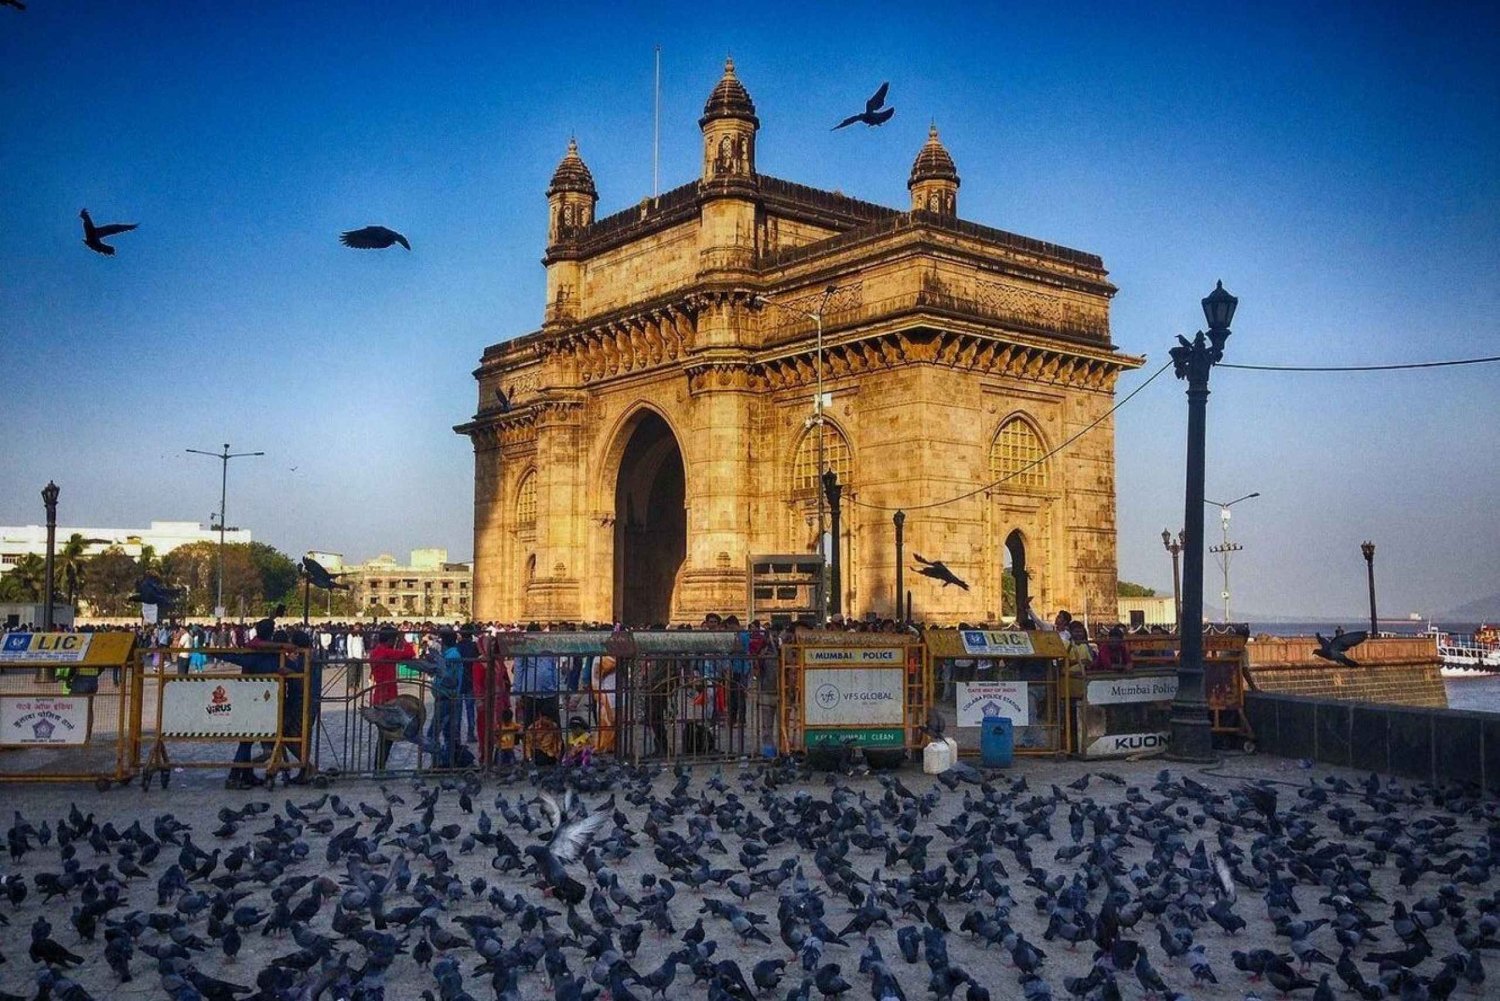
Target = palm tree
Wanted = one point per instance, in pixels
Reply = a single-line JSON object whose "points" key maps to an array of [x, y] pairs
{"points": [[26, 579], [72, 564]]}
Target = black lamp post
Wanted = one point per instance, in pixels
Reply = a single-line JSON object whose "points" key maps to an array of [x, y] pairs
{"points": [[49, 498], [899, 518], [834, 492], [1174, 546], [1192, 736], [1368, 548]]}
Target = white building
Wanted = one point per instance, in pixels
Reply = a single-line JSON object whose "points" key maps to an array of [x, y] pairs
{"points": [[162, 536]]}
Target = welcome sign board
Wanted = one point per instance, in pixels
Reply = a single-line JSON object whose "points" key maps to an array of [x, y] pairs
{"points": [[29, 721], [977, 700]]}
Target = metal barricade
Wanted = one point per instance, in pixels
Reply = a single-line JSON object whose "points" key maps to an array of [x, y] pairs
{"points": [[869, 689], [188, 718], [67, 708], [1017, 674], [345, 742]]}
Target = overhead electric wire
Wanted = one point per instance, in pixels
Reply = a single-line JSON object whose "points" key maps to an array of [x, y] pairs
{"points": [[1017, 472], [1361, 368]]}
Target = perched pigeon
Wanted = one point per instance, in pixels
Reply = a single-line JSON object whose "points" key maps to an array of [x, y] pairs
{"points": [[1334, 649]]}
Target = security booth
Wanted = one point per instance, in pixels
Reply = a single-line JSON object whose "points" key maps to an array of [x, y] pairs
{"points": [[1013, 674], [68, 707], [868, 690], [1223, 675]]}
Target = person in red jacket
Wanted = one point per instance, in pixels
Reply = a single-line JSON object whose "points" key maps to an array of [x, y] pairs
{"points": [[390, 651]]}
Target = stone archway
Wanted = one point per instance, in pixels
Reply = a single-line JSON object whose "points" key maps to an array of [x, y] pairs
{"points": [[650, 523]]}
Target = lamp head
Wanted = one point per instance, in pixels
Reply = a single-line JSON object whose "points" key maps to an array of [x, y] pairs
{"points": [[1368, 548], [1218, 308], [1166, 537], [49, 494]]}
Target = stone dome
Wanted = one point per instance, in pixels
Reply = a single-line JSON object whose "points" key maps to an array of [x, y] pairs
{"points": [[933, 162], [729, 99], [572, 174]]}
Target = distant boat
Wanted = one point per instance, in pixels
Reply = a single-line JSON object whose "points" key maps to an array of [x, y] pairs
{"points": [[1468, 656]]}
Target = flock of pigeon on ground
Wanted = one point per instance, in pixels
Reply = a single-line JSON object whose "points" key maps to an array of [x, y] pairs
{"points": [[621, 883]]}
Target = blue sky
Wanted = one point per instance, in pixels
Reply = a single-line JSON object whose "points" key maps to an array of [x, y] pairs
{"points": [[1334, 164]]}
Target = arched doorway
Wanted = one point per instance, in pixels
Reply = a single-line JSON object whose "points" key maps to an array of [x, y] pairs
{"points": [[650, 523], [1017, 594]]}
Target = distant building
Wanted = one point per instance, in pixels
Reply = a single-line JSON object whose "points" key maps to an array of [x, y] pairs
{"points": [[163, 537], [430, 587], [1159, 610]]}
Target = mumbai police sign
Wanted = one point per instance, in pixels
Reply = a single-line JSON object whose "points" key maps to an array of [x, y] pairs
{"points": [[30, 722], [1119, 745], [45, 648], [815, 656], [997, 643], [1117, 690], [854, 696]]}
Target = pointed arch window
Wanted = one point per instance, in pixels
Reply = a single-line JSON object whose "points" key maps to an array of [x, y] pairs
{"points": [[1016, 456], [836, 456], [526, 502]]}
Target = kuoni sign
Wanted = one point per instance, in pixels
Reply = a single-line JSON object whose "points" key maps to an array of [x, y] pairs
{"points": [[1117, 745], [33, 721], [977, 700], [853, 696], [45, 648], [219, 707]]}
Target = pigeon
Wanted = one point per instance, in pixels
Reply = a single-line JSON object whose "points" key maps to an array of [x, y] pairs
{"points": [[502, 400], [874, 114], [17, 4], [939, 572], [372, 238], [1333, 649], [93, 236], [399, 719], [321, 578], [150, 590]]}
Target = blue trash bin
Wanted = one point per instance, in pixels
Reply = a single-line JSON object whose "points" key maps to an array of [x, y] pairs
{"points": [[997, 742]]}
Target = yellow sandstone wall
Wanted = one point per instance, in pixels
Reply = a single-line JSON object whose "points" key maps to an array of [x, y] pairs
{"points": [[1395, 671]]}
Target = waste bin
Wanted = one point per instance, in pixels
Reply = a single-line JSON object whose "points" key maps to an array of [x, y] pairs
{"points": [[997, 742]]}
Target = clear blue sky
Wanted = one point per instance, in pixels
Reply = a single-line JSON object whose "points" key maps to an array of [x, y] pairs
{"points": [[1334, 164]]}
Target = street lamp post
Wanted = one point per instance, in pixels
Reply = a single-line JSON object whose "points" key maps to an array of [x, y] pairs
{"points": [[816, 315], [899, 518], [1225, 548], [835, 492], [223, 457], [1174, 546], [1368, 548], [49, 499], [1191, 735]]}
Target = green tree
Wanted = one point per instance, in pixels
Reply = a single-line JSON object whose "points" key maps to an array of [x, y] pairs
{"points": [[24, 581], [1127, 589], [72, 564], [111, 580], [278, 572], [195, 567]]}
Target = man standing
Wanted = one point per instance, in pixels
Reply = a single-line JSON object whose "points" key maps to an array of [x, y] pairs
{"points": [[390, 650]]}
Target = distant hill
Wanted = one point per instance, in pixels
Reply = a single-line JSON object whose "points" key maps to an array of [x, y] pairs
{"points": [[1482, 610]]}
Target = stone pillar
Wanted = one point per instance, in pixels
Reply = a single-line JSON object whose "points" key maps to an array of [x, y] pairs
{"points": [[716, 460], [490, 527], [554, 593]]}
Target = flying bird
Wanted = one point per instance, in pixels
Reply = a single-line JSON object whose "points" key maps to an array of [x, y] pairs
{"points": [[1334, 649], [873, 114], [17, 4], [314, 572], [93, 236], [372, 238], [150, 590], [399, 719], [940, 572]]}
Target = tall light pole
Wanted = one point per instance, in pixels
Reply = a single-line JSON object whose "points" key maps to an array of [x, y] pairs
{"points": [[816, 315], [1226, 547], [1192, 737], [1174, 546], [49, 500], [224, 458], [1368, 549]]}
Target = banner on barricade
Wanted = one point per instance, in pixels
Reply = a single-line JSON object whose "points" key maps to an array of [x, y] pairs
{"points": [[978, 699], [856, 697], [29, 721], [219, 707], [45, 648]]}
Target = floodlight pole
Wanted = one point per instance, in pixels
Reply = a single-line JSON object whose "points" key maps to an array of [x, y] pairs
{"points": [[224, 458]]}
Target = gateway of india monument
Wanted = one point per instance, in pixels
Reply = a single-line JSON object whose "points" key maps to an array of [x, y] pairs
{"points": [[661, 427]]}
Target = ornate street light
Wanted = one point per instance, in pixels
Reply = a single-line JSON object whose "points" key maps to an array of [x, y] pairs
{"points": [[1174, 546], [223, 457], [1192, 736], [1368, 548], [49, 499]]}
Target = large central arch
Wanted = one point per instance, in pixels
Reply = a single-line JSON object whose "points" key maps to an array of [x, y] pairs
{"points": [[650, 523]]}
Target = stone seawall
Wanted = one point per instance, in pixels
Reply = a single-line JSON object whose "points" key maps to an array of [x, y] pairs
{"points": [[1392, 670], [1433, 745]]}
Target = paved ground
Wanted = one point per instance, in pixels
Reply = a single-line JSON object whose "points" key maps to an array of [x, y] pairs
{"points": [[1035, 818]]}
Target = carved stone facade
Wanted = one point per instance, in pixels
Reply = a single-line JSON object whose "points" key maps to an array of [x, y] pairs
{"points": [[658, 429]]}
